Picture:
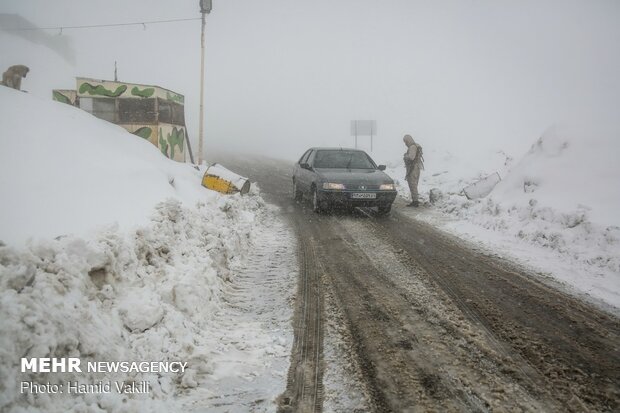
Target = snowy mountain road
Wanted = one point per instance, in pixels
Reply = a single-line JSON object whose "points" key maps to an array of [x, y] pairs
{"points": [[430, 323]]}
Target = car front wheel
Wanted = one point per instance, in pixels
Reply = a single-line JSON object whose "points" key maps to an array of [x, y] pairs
{"points": [[316, 204], [297, 194]]}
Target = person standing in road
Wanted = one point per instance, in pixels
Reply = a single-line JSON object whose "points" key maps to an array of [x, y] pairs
{"points": [[414, 162]]}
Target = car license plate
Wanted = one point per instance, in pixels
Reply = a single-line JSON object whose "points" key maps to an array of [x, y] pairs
{"points": [[364, 195]]}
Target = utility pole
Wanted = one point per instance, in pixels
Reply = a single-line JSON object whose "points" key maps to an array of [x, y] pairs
{"points": [[205, 8]]}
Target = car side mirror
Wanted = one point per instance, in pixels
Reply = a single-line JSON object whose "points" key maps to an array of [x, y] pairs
{"points": [[381, 167], [304, 165]]}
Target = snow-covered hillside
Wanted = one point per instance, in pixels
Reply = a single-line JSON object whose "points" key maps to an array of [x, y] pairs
{"points": [[112, 252], [556, 208], [62, 171]]}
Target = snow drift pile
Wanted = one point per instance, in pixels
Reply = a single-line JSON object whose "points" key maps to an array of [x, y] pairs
{"points": [[110, 252], [561, 196], [64, 171]]}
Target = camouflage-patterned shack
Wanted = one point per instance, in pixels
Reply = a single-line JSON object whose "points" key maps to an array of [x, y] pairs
{"points": [[151, 112]]}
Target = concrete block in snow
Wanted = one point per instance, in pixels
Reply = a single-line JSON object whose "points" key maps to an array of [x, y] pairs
{"points": [[483, 187]]}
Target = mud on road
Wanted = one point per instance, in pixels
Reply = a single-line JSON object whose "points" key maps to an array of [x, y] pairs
{"points": [[434, 325]]}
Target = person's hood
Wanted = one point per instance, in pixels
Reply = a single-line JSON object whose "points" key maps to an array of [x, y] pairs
{"points": [[408, 140]]}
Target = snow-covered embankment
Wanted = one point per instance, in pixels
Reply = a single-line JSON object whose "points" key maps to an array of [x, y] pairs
{"points": [[111, 252], [556, 209]]}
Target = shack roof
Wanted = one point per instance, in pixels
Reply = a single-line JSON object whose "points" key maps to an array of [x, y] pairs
{"points": [[88, 87]]}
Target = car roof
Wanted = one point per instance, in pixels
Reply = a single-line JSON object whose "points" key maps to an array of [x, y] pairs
{"points": [[336, 149]]}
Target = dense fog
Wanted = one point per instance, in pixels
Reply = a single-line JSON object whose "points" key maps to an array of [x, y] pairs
{"points": [[281, 75]]}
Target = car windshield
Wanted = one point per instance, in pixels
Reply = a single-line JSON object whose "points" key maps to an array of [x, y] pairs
{"points": [[343, 159]]}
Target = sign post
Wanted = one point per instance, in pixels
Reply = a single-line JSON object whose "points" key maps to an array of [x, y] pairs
{"points": [[364, 128]]}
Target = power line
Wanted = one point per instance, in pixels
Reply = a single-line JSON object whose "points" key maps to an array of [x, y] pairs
{"points": [[61, 28]]}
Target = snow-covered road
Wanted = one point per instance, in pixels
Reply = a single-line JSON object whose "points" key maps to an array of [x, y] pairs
{"points": [[414, 318], [251, 336]]}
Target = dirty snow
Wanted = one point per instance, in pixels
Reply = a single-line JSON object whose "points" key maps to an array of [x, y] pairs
{"points": [[111, 252], [555, 208], [343, 380]]}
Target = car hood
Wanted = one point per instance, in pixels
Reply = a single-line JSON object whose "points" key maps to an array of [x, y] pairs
{"points": [[354, 176]]}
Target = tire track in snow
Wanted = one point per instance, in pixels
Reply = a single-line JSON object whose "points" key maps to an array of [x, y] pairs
{"points": [[247, 370]]}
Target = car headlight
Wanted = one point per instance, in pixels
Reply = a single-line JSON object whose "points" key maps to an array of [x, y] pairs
{"points": [[332, 185], [386, 187]]}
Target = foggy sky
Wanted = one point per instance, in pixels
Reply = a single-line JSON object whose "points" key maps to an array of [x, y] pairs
{"points": [[283, 75]]}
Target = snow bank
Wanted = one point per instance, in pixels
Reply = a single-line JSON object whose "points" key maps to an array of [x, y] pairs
{"points": [[63, 171], [568, 170], [112, 252], [562, 196], [149, 295]]}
